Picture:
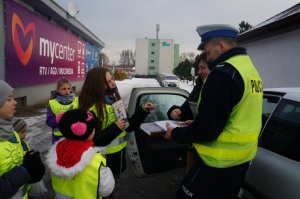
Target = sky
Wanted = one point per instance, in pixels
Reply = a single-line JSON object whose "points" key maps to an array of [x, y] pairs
{"points": [[119, 23]]}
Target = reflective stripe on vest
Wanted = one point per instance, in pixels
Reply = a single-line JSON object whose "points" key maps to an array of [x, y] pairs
{"points": [[116, 145], [62, 196], [84, 185], [238, 141], [57, 107], [115, 142], [120, 141], [21, 194]]}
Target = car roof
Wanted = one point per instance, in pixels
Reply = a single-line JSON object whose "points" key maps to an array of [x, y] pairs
{"points": [[168, 74], [292, 93], [284, 89], [158, 90]]}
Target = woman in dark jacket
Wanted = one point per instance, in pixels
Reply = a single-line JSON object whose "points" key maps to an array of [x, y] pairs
{"points": [[184, 112]]}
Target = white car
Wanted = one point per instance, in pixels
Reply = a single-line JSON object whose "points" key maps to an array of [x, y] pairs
{"points": [[275, 171], [170, 80]]}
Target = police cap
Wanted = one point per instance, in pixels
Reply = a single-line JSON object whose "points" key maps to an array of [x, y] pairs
{"points": [[207, 32]]}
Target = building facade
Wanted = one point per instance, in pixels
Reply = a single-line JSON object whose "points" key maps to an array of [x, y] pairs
{"points": [[154, 56], [41, 42], [274, 47]]}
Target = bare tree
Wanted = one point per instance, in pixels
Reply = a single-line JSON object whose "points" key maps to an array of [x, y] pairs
{"points": [[183, 56], [191, 56], [127, 58], [103, 59], [187, 55], [132, 58]]}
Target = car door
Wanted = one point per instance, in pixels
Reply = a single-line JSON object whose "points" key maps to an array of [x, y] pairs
{"points": [[153, 154], [275, 171]]}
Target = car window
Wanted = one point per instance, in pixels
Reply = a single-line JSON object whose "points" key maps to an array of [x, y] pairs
{"points": [[162, 103], [171, 78], [269, 104], [282, 132]]}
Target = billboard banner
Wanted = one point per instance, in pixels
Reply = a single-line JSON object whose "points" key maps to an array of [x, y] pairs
{"points": [[92, 56], [39, 51]]}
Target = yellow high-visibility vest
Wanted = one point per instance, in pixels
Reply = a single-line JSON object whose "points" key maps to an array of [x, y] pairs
{"points": [[237, 143], [57, 107], [120, 141], [11, 155], [84, 185]]}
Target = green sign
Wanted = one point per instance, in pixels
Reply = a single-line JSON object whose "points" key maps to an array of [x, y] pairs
{"points": [[165, 43]]}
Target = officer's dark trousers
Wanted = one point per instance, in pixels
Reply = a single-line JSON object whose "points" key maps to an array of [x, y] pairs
{"points": [[204, 182]]}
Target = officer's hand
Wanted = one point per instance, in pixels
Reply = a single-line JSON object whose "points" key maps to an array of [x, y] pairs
{"points": [[187, 122], [168, 134]]}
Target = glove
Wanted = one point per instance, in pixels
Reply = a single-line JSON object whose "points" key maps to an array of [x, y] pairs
{"points": [[33, 164]]}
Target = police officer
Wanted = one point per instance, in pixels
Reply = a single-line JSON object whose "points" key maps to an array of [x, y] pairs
{"points": [[226, 128]]}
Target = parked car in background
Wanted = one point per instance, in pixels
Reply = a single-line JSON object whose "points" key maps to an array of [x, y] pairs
{"points": [[129, 76], [273, 174], [169, 80]]}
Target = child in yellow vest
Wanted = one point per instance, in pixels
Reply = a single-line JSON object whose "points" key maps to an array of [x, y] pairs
{"points": [[62, 100], [16, 169], [77, 169], [38, 189], [20, 127]]}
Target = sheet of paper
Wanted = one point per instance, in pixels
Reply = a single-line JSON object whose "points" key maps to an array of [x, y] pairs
{"points": [[151, 128], [172, 123]]}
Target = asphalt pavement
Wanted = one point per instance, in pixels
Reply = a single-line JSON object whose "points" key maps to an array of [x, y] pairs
{"points": [[160, 186]]}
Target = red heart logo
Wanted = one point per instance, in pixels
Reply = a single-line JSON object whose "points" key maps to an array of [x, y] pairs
{"points": [[24, 56]]}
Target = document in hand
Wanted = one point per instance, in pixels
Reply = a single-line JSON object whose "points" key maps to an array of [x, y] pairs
{"points": [[120, 111], [158, 127]]}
